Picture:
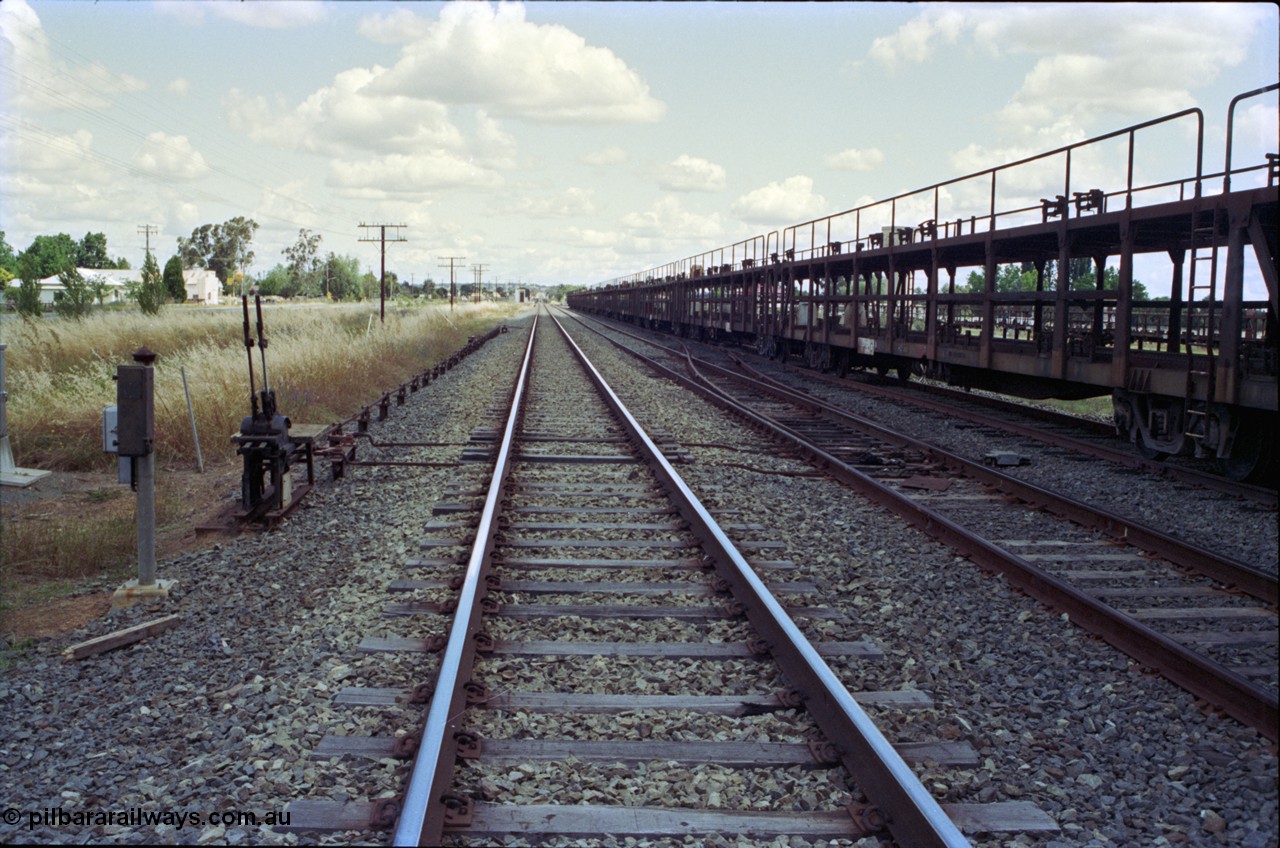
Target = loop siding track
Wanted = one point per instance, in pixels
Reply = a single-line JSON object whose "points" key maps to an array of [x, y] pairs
{"points": [[1223, 687], [896, 802]]}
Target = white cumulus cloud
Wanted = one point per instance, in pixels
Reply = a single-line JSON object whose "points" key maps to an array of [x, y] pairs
{"points": [[492, 57], [170, 157], [1124, 59], [691, 173], [855, 159], [667, 218], [408, 174], [605, 156], [781, 203], [261, 15]]}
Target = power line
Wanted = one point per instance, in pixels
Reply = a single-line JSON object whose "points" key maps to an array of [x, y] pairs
{"points": [[453, 288], [479, 272], [382, 237], [147, 230]]}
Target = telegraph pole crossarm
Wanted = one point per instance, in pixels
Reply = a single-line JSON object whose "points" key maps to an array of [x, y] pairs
{"points": [[382, 238], [453, 288]]}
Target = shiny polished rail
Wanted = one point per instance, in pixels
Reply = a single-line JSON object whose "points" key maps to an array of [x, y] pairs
{"points": [[900, 802], [1237, 696]]}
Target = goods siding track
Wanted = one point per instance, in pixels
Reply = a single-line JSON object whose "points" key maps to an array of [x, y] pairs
{"points": [[1206, 622], [1073, 434], [597, 585]]}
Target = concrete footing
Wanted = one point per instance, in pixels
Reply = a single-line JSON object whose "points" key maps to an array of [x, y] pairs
{"points": [[131, 593]]}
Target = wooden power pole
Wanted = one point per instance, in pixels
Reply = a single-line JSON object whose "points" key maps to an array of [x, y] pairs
{"points": [[382, 237]]}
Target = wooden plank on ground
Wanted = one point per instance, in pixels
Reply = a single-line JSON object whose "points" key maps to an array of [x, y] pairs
{"points": [[527, 562], [727, 754], [590, 702], [445, 543], [1153, 591], [491, 821], [405, 584], [370, 696], [1202, 613], [395, 644], [600, 543], [1101, 575], [120, 638], [683, 613], [590, 510], [411, 608], [546, 587], [576, 459], [1076, 556], [1225, 638], [703, 650], [322, 816], [545, 526]]}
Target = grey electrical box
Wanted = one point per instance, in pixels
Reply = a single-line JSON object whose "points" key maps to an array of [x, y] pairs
{"points": [[135, 410], [109, 429]]}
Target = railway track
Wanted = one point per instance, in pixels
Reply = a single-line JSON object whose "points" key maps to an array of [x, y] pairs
{"points": [[605, 624], [1082, 436], [1206, 622]]}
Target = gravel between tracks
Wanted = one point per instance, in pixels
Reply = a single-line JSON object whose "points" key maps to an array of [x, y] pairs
{"points": [[222, 712], [1116, 756]]}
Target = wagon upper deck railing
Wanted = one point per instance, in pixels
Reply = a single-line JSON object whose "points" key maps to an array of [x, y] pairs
{"points": [[889, 222]]}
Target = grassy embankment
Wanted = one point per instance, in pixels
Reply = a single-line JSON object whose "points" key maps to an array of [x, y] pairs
{"points": [[325, 363]]}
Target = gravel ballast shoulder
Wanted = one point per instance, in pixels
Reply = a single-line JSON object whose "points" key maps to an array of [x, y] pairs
{"points": [[221, 713], [1114, 755]]}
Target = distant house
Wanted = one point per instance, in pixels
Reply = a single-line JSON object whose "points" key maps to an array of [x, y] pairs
{"points": [[51, 288], [203, 286]]}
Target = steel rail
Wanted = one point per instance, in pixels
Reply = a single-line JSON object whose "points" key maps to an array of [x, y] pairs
{"points": [[1240, 698], [911, 813], [1258, 494], [1231, 572], [1226, 570], [422, 811], [920, 394]]}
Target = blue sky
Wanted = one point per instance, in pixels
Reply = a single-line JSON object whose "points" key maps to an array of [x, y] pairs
{"points": [[573, 142]]}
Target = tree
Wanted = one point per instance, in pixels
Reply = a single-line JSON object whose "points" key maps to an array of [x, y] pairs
{"points": [[91, 252], [304, 262], [8, 259], [175, 285], [50, 255], [341, 277], [27, 297], [77, 296], [150, 292], [222, 248], [100, 289]]}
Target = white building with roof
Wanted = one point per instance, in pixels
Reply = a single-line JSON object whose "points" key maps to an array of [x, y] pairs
{"points": [[116, 283], [203, 286]]}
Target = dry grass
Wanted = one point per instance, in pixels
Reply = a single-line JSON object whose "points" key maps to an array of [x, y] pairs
{"points": [[324, 363]]}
